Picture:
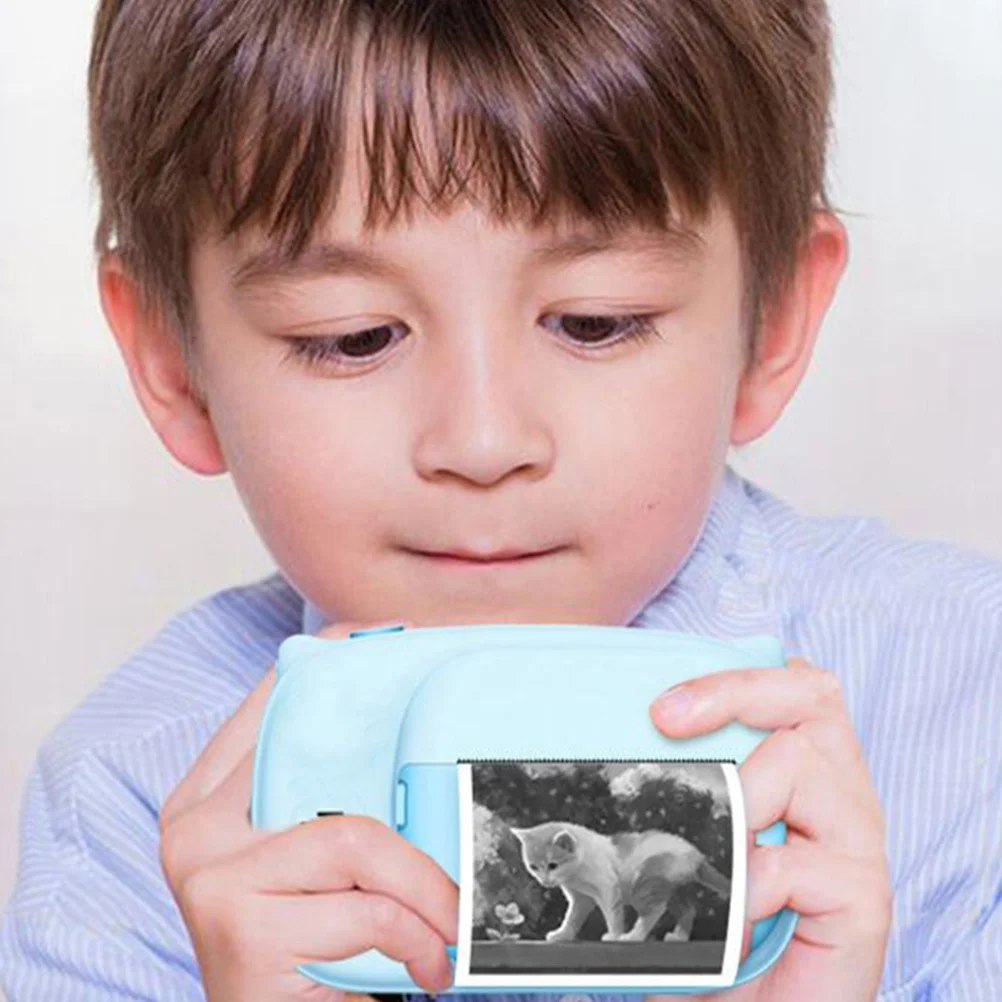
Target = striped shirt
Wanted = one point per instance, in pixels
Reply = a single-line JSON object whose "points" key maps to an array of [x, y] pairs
{"points": [[913, 629]]}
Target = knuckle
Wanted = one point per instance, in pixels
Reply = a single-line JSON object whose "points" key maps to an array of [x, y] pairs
{"points": [[831, 684], [793, 745], [771, 862], [746, 682], [385, 917], [203, 894], [171, 853], [355, 834], [167, 812], [827, 688], [857, 754], [241, 932], [227, 926]]}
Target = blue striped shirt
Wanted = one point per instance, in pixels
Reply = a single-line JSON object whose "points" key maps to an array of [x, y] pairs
{"points": [[913, 629]]}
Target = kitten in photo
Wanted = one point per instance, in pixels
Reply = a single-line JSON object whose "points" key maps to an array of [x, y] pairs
{"points": [[640, 869]]}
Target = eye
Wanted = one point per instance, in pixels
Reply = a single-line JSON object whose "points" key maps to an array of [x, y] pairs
{"points": [[343, 351], [347, 351], [605, 331], [552, 866]]}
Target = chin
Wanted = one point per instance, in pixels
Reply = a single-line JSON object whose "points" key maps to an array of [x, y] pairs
{"points": [[495, 616]]}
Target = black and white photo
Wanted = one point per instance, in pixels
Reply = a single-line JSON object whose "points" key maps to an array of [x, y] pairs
{"points": [[600, 873]]}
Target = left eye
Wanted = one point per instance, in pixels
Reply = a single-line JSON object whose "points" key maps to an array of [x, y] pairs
{"points": [[594, 332], [587, 329]]}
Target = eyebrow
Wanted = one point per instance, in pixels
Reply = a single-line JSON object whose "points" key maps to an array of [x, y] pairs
{"points": [[269, 265]]}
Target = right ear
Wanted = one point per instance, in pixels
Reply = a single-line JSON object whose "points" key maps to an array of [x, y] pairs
{"points": [[152, 355]]}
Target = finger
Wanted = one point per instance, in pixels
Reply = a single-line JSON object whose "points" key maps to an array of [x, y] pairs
{"points": [[335, 926], [837, 743], [354, 851], [758, 697], [787, 778], [231, 743], [833, 732], [212, 829], [767, 697], [840, 900], [746, 941], [237, 736]]}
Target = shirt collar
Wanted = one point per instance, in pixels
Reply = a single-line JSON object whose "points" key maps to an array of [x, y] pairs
{"points": [[720, 588]]}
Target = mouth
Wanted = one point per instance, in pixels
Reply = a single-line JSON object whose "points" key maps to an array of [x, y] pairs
{"points": [[498, 558]]}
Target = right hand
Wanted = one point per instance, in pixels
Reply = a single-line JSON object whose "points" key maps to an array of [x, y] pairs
{"points": [[257, 903]]}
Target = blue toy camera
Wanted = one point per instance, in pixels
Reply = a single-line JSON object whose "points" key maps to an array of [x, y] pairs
{"points": [[389, 722]]}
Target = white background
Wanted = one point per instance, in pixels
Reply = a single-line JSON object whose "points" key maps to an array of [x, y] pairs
{"points": [[103, 536]]}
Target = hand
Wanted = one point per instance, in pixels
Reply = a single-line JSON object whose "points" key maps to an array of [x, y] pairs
{"points": [[832, 870], [257, 903]]}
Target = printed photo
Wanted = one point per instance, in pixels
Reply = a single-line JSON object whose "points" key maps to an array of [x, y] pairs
{"points": [[600, 874]]}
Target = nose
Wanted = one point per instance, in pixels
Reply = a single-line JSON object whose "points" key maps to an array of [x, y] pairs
{"points": [[483, 413]]}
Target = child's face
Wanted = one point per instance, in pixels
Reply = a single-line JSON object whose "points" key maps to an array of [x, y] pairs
{"points": [[477, 419]]}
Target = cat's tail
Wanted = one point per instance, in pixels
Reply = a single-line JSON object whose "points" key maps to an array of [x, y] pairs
{"points": [[714, 879]]}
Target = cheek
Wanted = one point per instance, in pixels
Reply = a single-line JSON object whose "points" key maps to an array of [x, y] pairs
{"points": [[663, 440], [300, 484]]}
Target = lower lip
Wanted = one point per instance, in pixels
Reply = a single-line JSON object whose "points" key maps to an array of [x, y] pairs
{"points": [[463, 563]]}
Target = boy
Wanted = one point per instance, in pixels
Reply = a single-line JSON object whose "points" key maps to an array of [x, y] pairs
{"points": [[513, 403]]}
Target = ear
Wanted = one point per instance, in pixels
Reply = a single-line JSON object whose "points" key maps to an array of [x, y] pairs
{"points": [[519, 833], [789, 332], [153, 357], [565, 840]]}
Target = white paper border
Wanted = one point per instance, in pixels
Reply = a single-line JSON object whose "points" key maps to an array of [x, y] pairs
{"points": [[515, 981]]}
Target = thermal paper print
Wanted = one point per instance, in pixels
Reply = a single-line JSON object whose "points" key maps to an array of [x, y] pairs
{"points": [[600, 874]]}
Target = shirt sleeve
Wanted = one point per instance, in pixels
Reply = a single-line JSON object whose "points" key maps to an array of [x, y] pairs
{"points": [[91, 915]]}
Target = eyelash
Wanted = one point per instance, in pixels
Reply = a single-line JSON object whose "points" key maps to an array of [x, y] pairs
{"points": [[321, 350]]}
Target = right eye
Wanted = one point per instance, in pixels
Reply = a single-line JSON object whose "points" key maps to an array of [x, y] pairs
{"points": [[332, 351]]}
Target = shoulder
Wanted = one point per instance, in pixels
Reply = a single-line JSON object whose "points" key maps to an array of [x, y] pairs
{"points": [[90, 875], [913, 629], [911, 626], [158, 708], [858, 564]]}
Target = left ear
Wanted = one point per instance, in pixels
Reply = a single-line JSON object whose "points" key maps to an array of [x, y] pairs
{"points": [[565, 840], [789, 331]]}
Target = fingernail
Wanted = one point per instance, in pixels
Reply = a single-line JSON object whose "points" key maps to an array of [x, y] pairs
{"points": [[676, 703], [450, 973]]}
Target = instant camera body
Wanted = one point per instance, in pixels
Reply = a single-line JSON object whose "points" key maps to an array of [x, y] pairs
{"points": [[382, 723]]}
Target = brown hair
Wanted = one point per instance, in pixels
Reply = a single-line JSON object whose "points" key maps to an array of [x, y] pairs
{"points": [[595, 109]]}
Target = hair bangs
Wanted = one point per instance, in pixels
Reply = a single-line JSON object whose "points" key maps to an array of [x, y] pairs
{"points": [[450, 100], [232, 114]]}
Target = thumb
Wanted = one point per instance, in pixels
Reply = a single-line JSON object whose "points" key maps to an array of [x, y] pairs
{"points": [[213, 799]]}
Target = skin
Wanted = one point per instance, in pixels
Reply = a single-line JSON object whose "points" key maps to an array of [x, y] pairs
{"points": [[809, 772], [482, 423], [485, 425]]}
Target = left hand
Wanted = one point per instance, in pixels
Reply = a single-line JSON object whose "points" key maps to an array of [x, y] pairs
{"points": [[832, 869]]}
